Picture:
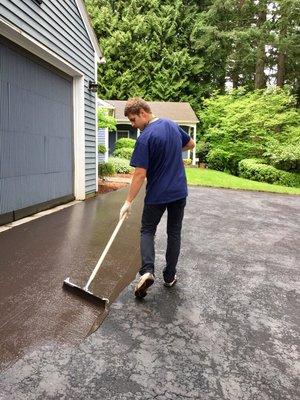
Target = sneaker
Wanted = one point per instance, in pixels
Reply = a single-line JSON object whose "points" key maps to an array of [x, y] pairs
{"points": [[170, 284], [143, 284]]}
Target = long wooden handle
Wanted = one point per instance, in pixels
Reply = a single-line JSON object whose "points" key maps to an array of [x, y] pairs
{"points": [[105, 251]]}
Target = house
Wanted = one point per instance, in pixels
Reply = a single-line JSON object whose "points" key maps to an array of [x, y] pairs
{"points": [[181, 113], [49, 55]]}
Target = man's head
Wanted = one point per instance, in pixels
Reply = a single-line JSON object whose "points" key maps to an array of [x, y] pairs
{"points": [[138, 112]]}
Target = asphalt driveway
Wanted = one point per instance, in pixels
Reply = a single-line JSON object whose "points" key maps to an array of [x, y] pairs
{"points": [[229, 329]]}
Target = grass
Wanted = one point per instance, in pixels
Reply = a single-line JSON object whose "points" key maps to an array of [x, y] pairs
{"points": [[209, 177]]}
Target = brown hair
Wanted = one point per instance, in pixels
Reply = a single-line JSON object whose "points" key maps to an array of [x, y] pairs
{"points": [[135, 105]]}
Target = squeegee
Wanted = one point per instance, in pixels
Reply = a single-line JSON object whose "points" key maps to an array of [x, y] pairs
{"points": [[85, 291]]}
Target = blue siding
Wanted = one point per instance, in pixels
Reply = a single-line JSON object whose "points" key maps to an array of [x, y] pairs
{"points": [[36, 114], [101, 140], [58, 25]]}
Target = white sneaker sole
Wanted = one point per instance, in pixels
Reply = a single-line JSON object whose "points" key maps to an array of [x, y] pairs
{"points": [[144, 283], [171, 283]]}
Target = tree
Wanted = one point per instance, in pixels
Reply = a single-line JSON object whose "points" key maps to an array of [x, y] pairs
{"points": [[148, 49]]}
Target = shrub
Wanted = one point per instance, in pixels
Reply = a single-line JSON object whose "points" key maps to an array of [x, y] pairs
{"points": [[202, 150], [242, 123], [105, 120], [284, 156], [123, 152], [125, 142], [257, 170], [187, 161], [101, 149], [121, 165], [106, 169], [222, 160]]}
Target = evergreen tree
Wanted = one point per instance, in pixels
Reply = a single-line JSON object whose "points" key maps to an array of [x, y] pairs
{"points": [[148, 49]]}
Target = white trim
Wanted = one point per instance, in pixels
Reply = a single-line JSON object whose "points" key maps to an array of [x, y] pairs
{"points": [[79, 138], [185, 123], [22, 39], [194, 149], [90, 31], [122, 130], [138, 132]]}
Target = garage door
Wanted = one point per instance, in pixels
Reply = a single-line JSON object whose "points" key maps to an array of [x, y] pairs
{"points": [[36, 145]]}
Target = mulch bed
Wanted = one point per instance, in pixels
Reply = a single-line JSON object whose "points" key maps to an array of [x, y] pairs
{"points": [[105, 187]]}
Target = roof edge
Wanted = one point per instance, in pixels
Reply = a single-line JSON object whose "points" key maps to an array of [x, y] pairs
{"points": [[90, 30], [177, 121]]}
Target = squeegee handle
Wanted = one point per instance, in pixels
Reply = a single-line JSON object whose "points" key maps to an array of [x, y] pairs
{"points": [[105, 251]]}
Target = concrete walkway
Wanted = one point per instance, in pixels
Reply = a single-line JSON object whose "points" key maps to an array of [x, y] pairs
{"points": [[228, 330]]}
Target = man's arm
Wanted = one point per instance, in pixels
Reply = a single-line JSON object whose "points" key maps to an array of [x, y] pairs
{"points": [[136, 183], [189, 146]]}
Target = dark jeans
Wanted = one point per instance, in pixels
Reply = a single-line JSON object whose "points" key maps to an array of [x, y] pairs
{"points": [[152, 214]]}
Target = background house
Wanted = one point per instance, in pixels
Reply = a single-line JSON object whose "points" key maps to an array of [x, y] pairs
{"points": [[49, 55], [181, 113]]}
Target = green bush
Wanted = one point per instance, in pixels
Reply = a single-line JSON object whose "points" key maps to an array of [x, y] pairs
{"points": [[222, 160], [101, 149], [202, 150], [121, 165], [125, 142], [243, 123], [187, 161], [257, 170], [284, 156], [106, 169], [123, 152]]}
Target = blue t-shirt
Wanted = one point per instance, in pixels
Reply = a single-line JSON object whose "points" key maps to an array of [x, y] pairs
{"points": [[159, 150]]}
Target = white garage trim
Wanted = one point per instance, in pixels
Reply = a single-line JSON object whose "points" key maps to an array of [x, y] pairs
{"points": [[25, 41], [79, 138]]}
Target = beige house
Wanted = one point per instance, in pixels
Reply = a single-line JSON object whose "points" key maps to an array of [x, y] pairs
{"points": [[181, 113]]}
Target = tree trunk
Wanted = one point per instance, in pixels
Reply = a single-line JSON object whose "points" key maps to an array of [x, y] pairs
{"points": [[235, 79], [260, 78], [280, 69]]}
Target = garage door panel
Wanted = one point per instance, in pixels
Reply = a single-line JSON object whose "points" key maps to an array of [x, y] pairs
{"points": [[15, 190], [16, 155], [32, 76], [4, 105], [36, 131], [58, 155]]}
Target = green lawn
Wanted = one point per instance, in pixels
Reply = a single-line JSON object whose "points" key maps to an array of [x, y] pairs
{"points": [[209, 177]]}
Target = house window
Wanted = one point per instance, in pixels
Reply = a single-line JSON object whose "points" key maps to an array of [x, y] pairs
{"points": [[122, 134]]}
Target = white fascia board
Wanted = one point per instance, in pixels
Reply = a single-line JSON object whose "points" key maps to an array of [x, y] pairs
{"points": [[24, 40], [185, 123], [88, 26], [104, 104]]}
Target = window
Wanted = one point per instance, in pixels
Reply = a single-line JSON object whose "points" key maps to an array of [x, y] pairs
{"points": [[122, 134]]}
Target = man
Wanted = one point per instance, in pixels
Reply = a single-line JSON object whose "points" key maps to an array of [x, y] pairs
{"points": [[157, 156]]}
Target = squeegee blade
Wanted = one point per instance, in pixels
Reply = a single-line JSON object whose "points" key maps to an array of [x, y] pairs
{"points": [[85, 293]]}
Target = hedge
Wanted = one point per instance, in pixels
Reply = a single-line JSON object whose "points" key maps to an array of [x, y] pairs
{"points": [[125, 142], [106, 169], [222, 160], [256, 170], [285, 156], [121, 165], [123, 152]]}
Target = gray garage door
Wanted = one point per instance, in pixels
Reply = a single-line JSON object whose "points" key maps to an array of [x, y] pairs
{"points": [[36, 147]]}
